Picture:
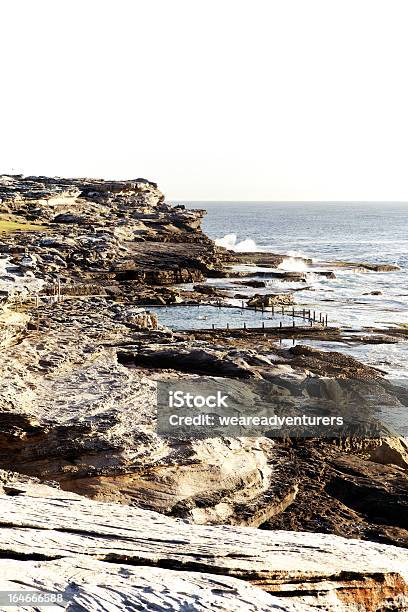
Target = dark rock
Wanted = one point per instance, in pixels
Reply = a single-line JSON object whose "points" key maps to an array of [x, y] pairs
{"points": [[251, 283], [332, 363], [67, 218], [209, 290], [186, 359], [270, 260], [364, 266], [325, 273], [345, 494]]}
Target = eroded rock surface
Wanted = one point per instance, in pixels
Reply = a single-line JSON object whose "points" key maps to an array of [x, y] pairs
{"points": [[80, 357], [59, 541], [115, 236], [78, 407], [71, 412], [274, 299]]}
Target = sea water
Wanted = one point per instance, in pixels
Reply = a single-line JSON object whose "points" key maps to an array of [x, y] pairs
{"points": [[327, 232]]}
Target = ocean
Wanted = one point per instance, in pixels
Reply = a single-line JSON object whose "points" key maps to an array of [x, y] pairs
{"points": [[357, 232], [376, 232]]}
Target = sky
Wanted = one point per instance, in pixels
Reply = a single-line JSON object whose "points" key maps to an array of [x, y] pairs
{"points": [[213, 99]]}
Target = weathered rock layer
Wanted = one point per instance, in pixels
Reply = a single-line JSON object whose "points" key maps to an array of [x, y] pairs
{"points": [[58, 541], [80, 358]]}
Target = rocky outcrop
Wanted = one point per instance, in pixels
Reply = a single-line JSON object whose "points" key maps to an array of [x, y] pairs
{"points": [[255, 284], [17, 280], [271, 299], [81, 358], [262, 259], [391, 451], [343, 493], [291, 277], [85, 583], [333, 363], [71, 411], [188, 359], [326, 273], [13, 326], [117, 235], [365, 266], [210, 290], [46, 196], [78, 407], [93, 552]]}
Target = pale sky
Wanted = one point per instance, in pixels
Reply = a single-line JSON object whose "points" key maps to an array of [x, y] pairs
{"points": [[213, 99]]}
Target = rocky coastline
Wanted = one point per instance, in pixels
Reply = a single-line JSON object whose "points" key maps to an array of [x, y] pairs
{"points": [[91, 491]]}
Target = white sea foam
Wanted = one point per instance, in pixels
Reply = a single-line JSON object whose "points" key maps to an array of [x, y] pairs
{"points": [[230, 242], [291, 264], [246, 246]]}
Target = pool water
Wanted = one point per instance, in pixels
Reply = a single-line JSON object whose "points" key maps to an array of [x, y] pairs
{"points": [[204, 316]]}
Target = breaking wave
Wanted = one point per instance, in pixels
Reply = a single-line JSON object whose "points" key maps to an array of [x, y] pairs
{"points": [[291, 264], [230, 242]]}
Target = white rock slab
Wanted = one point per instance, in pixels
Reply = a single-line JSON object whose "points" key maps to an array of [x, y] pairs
{"points": [[40, 523]]}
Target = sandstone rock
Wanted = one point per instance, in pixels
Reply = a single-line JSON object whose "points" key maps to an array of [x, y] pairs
{"points": [[12, 326], [272, 299], [342, 493], [332, 363], [68, 218], [72, 413], [16, 281], [77, 406], [392, 451], [152, 557], [240, 296], [381, 267], [123, 229], [87, 584]]}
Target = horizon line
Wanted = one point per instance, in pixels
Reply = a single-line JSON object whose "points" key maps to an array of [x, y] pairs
{"points": [[295, 201]]}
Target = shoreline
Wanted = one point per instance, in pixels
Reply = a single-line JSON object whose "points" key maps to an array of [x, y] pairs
{"points": [[80, 368]]}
